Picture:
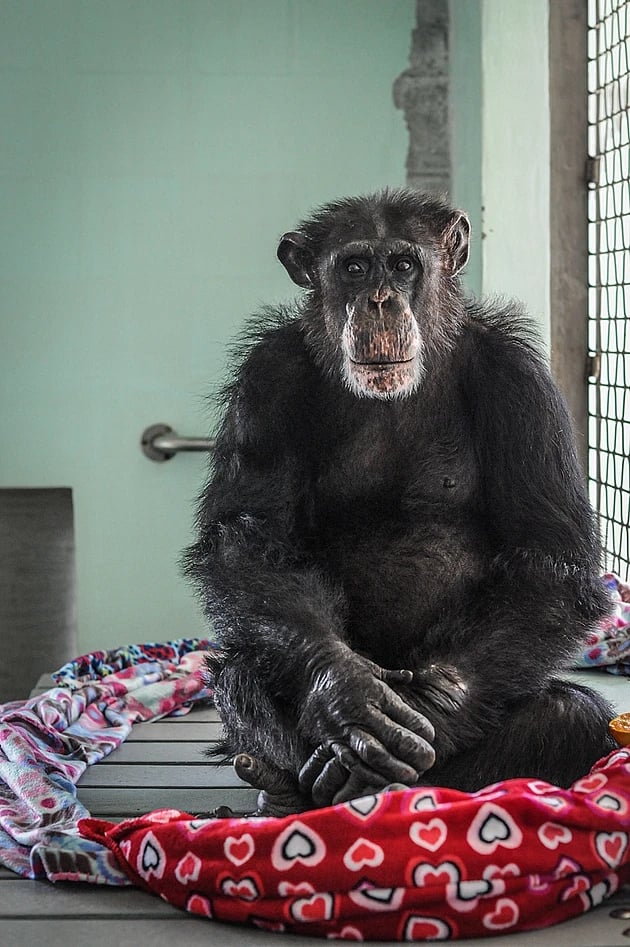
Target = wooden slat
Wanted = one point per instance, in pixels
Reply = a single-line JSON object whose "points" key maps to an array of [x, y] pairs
{"points": [[614, 688], [31, 899], [134, 802], [202, 713], [181, 929], [165, 730], [179, 752], [125, 775]]}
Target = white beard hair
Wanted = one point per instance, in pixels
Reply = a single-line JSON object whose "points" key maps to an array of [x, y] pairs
{"points": [[352, 384]]}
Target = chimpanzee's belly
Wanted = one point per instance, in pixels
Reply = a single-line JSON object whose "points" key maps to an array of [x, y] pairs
{"points": [[402, 583]]}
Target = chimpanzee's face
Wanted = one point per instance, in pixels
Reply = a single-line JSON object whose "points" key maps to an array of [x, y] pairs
{"points": [[369, 291], [377, 275]]}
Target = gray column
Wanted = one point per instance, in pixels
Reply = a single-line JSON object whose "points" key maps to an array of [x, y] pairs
{"points": [[422, 93]]}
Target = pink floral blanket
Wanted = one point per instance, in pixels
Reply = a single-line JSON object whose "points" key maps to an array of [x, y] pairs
{"points": [[608, 646], [47, 742]]}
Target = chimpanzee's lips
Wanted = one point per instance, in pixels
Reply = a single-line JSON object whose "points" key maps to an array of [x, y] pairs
{"points": [[384, 363], [384, 378]]}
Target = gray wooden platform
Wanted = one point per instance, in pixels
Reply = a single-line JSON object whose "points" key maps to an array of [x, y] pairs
{"points": [[162, 765]]}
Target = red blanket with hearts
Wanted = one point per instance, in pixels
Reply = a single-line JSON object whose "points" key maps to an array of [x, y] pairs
{"points": [[416, 864]]}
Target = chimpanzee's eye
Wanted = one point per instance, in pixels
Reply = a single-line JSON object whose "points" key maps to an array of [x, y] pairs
{"points": [[403, 264], [356, 267]]}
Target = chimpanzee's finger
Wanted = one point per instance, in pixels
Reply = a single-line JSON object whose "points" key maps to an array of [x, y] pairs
{"points": [[442, 686], [345, 755], [353, 763], [314, 766], [407, 745], [355, 787], [372, 752], [393, 706], [331, 779], [446, 700], [345, 777], [396, 677], [394, 742]]}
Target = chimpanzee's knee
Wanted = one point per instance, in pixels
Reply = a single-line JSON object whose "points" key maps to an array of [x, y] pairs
{"points": [[556, 735], [567, 724]]}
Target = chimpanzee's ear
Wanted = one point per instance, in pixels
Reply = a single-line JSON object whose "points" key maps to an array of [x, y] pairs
{"points": [[456, 240], [297, 258]]}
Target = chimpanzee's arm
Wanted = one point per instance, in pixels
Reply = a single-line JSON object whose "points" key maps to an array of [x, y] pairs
{"points": [[276, 615]]}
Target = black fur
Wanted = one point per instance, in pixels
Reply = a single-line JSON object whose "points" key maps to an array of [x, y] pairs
{"points": [[429, 517]]}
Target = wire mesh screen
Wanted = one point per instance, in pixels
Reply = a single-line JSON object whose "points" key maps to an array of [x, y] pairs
{"points": [[609, 274]]}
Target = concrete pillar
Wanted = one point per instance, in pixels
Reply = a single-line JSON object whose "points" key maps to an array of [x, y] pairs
{"points": [[422, 93]]}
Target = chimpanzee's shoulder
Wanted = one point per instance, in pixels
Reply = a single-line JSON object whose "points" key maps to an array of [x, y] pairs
{"points": [[269, 358], [501, 341], [503, 371]]}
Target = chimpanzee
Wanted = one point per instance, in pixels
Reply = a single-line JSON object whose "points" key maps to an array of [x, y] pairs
{"points": [[395, 547]]}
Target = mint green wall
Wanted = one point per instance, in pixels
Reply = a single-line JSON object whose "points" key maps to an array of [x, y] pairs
{"points": [[500, 145], [151, 153], [516, 155]]}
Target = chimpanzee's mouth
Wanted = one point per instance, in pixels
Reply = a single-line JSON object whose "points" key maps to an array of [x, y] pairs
{"points": [[385, 378], [382, 365]]}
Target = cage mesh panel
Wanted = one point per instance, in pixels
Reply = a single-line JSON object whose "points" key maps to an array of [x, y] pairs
{"points": [[609, 274]]}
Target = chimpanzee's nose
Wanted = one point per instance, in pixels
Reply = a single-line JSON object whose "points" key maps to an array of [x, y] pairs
{"points": [[380, 295]]}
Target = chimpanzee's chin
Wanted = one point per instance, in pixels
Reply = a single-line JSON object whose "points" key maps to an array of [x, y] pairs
{"points": [[391, 380]]}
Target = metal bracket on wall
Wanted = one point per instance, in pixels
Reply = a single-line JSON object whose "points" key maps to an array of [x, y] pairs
{"points": [[159, 442]]}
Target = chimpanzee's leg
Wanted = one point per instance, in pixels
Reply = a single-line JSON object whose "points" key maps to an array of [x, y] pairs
{"points": [[556, 735], [261, 738]]}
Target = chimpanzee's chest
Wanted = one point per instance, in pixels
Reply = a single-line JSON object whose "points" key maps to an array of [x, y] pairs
{"points": [[396, 524], [379, 473]]}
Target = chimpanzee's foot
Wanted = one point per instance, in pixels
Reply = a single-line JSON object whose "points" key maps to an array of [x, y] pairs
{"points": [[393, 787], [219, 812], [279, 791]]}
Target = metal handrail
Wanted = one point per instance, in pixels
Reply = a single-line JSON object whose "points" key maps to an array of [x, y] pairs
{"points": [[160, 442]]}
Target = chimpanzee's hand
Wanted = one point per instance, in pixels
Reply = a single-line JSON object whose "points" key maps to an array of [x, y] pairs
{"points": [[335, 773], [361, 726]]}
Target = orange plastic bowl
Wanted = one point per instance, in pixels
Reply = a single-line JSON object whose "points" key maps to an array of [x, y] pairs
{"points": [[620, 729]]}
